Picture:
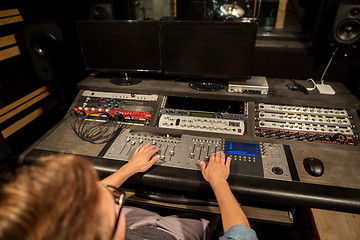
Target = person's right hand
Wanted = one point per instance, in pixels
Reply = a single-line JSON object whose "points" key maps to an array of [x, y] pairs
{"points": [[217, 169], [141, 161]]}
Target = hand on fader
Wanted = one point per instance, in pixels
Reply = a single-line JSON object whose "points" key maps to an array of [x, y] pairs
{"points": [[140, 161], [217, 169]]}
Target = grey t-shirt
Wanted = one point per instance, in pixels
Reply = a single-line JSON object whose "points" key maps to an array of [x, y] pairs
{"points": [[148, 233]]}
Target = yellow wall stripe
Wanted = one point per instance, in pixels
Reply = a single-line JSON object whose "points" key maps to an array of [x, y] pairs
{"points": [[280, 20], [8, 20], [9, 53], [7, 40], [10, 12], [24, 99], [25, 106], [27, 119]]}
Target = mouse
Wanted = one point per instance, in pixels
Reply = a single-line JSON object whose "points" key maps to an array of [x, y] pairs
{"points": [[313, 166]]}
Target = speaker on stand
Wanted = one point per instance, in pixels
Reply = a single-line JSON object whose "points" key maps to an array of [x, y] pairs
{"points": [[337, 32], [44, 42], [346, 28], [345, 35], [100, 10], [53, 56]]}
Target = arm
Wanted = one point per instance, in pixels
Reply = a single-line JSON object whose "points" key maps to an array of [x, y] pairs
{"points": [[140, 162], [216, 173]]}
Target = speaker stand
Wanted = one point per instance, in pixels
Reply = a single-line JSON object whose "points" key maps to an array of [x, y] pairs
{"points": [[125, 81]]}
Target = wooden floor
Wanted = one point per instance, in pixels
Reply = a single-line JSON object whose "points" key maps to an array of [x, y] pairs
{"points": [[330, 225]]}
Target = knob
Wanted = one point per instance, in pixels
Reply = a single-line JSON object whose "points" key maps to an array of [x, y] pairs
{"points": [[277, 170]]}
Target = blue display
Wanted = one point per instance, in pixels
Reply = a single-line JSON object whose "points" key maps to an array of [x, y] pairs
{"points": [[245, 149]]}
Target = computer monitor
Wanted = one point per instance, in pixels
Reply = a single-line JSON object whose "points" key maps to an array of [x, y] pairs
{"points": [[121, 47], [214, 51]]}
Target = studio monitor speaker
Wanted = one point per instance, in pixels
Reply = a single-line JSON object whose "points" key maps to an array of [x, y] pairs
{"points": [[44, 42], [100, 10], [346, 28]]}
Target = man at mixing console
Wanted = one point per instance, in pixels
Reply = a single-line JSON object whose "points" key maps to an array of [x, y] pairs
{"points": [[60, 197]]}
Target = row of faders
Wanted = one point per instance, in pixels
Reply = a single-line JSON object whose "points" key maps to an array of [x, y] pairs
{"points": [[266, 160], [183, 151], [305, 124]]}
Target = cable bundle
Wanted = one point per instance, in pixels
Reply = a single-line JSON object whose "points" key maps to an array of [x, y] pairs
{"points": [[97, 127]]}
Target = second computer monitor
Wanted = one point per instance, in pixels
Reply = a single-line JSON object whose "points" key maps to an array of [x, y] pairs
{"points": [[208, 49]]}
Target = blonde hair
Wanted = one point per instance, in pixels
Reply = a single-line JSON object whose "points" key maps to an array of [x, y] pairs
{"points": [[55, 198]]}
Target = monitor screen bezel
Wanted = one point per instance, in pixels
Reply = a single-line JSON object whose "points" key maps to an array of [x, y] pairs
{"points": [[121, 69], [220, 76]]}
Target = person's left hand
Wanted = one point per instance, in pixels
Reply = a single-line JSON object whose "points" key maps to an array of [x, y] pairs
{"points": [[140, 161]]}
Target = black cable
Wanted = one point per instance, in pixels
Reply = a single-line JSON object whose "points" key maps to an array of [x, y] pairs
{"points": [[97, 127]]}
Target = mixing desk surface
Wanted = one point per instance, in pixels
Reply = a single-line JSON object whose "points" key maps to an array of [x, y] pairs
{"points": [[266, 140]]}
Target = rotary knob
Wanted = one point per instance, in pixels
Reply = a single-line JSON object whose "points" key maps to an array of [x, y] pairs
{"points": [[277, 170]]}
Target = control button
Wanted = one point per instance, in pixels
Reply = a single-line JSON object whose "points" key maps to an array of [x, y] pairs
{"points": [[277, 170]]}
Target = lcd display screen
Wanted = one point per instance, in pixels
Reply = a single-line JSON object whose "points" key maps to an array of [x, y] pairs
{"points": [[209, 49], [245, 149], [202, 114], [120, 46]]}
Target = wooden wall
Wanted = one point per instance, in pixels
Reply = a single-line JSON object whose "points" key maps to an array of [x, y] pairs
{"points": [[29, 106]]}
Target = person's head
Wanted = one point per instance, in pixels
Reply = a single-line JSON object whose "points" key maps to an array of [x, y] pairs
{"points": [[58, 197]]}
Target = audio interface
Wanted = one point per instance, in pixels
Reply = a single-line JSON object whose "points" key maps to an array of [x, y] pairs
{"points": [[305, 124], [254, 85], [136, 108], [227, 123], [184, 151]]}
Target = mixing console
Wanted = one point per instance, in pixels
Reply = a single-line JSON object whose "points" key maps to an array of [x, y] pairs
{"points": [[186, 151], [305, 124], [136, 108]]}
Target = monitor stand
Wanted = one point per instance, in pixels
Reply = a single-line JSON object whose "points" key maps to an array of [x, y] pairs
{"points": [[125, 81], [207, 85]]}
